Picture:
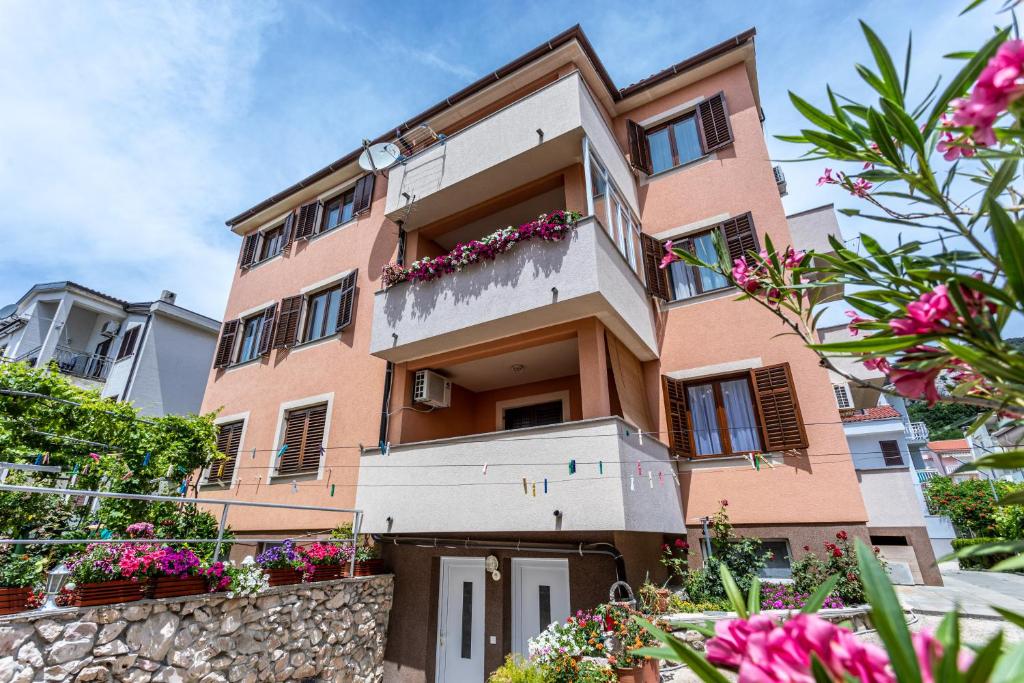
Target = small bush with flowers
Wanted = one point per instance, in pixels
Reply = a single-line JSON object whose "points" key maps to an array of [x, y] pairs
{"points": [[177, 562], [321, 555], [101, 562], [674, 557], [282, 556], [217, 576], [553, 226], [840, 559], [786, 596], [18, 570], [247, 578]]}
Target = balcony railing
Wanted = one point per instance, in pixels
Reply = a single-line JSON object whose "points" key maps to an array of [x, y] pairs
{"points": [[81, 363], [916, 431], [923, 476]]}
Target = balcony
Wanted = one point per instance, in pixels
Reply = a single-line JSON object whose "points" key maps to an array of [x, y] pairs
{"points": [[441, 486], [925, 475], [526, 140], [535, 285], [84, 364], [917, 432]]}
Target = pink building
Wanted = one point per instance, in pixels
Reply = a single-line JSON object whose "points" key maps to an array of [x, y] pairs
{"points": [[524, 431]]}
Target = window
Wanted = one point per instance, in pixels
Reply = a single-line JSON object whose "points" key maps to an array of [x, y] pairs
{"points": [[229, 439], [891, 453], [613, 214], [689, 281], [322, 313], [128, 342], [271, 243], [251, 331], [536, 415], [843, 398], [779, 565], [339, 210], [723, 417], [304, 438], [674, 143]]}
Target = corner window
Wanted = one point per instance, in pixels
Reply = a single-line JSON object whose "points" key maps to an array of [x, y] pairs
{"points": [[723, 417], [690, 281], [674, 143], [251, 332], [271, 243], [322, 313], [339, 210]]}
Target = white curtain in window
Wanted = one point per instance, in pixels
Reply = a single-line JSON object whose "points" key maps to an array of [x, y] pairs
{"points": [[682, 280], [705, 420], [704, 248], [739, 411]]}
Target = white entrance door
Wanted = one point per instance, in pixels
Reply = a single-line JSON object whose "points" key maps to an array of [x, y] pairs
{"points": [[540, 595], [460, 621]]}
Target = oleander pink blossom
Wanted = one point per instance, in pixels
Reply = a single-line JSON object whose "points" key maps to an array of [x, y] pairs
{"points": [[929, 653], [926, 315], [860, 188], [827, 178], [669, 256], [793, 257], [999, 84], [916, 383], [854, 320]]}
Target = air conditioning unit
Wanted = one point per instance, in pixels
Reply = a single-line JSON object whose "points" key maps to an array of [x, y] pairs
{"points": [[432, 389], [110, 328]]}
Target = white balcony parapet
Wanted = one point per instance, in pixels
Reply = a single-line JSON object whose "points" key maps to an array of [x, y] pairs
{"points": [[917, 432], [441, 486], [537, 284]]}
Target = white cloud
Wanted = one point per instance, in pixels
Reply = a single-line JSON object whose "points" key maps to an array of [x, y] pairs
{"points": [[111, 166]]}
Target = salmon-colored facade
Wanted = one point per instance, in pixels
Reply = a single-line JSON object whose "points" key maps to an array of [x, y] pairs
{"points": [[555, 352]]}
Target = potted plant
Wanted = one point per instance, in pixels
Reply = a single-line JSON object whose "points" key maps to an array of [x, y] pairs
{"points": [[624, 635], [178, 572], [322, 561], [368, 560], [107, 573], [281, 564], [18, 574]]}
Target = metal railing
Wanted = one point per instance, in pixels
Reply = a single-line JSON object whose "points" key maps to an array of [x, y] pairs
{"points": [[916, 431], [924, 475], [81, 363], [357, 519]]}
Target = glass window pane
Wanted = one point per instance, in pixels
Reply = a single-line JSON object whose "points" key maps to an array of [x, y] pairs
{"points": [[739, 412], [333, 300], [250, 339], [683, 286], [599, 191], [704, 248], [661, 150], [333, 215], [705, 419], [687, 140], [316, 317], [779, 564], [467, 620], [544, 598], [620, 225], [346, 210]]}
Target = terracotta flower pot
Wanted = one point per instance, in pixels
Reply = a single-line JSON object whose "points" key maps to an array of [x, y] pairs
{"points": [[369, 567], [175, 586], [14, 599], [645, 673], [328, 572], [107, 592], [283, 577]]}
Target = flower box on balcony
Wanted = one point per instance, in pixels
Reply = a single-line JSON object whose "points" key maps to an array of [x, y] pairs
{"points": [[175, 586], [14, 599], [283, 576], [107, 592], [328, 572], [368, 567]]}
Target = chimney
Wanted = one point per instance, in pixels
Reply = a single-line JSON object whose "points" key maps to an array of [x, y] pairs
{"points": [[168, 296]]}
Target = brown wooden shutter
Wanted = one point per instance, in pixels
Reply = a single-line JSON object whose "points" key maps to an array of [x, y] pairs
{"points": [[309, 216], [657, 278], [346, 304], [891, 453], [267, 330], [639, 150], [229, 438], [740, 236], [289, 232], [304, 435], [781, 423], [679, 431], [287, 331], [249, 245], [713, 123], [363, 194], [226, 345]]}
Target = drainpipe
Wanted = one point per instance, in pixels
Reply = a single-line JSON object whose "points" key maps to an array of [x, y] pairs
{"points": [[707, 538], [389, 371]]}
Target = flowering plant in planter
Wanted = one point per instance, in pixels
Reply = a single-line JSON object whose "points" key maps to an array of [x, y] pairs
{"points": [[218, 577], [101, 562], [177, 562], [552, 226], [282, 556], [322, 561], [247, 578]]}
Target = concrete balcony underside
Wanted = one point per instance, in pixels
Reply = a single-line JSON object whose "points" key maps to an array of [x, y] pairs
{"points": [[440, 486], [529, 139], [535, 285]]}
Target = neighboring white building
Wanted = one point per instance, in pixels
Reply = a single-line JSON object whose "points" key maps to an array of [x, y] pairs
{"points": [[153, 354]]}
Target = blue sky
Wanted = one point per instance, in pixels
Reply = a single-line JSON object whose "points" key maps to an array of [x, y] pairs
{"points": [[130, 131]]}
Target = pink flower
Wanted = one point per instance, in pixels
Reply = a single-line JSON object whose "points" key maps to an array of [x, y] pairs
{"points": [[854, 319], [879, 364], [669, 256], [793, 258], [998, 85], [860, 188], [827, 179], [929, 653], [744, 277], [925, 315], [916, 383]]}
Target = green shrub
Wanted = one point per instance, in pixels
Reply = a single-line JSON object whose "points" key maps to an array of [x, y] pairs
{"points": [[677, 604], [745, 558], [1009, 521], [969, 504], [840, 558], [979, 561], [516, 669]]}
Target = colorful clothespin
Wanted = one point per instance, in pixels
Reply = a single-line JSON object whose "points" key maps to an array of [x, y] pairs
{"points": [[332, 490], [253, 457], [661, 478], [95, 456], [484, 472], [600, 467], [281, 451], [572, 467], [295, 486], [220, 470], [323, 451], [525, 490], [258, 480], [639, 470], [39, 459], [127, 475], [632, 483], [105, 533], [146, 458], [650, 478], [74, 470], [184, 486], [534, 489], [545, 484]]}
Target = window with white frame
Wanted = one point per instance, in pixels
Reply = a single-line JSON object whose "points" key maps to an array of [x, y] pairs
{"points": [[606, 205], [843, 397]]}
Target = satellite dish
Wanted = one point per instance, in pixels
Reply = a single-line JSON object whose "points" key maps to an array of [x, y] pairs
{"points": [[379, 157], [8, 310]]}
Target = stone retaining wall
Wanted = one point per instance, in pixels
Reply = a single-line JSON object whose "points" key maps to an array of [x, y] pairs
{"points": [[333, 631]]}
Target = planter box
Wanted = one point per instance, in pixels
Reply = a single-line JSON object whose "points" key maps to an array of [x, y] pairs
{"points": [[283, 577], [368, 567], [13, 599], [645, 673], [107, 593], [326, 573], [176, 586]]}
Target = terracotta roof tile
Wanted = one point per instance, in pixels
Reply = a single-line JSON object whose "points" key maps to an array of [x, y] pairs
{"points": [[949, 445], [869, 414]]}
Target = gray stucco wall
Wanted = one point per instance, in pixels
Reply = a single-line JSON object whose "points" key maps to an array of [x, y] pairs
{"points": [[173, 368]]}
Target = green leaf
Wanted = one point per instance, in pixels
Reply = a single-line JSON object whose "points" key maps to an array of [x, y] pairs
{"points": [[1006, 460], [999, 181], [1010, 665], [958, 85], [754, 596], [821, 674], [1010, 564], [885, 65], [984, 662], [1012, 617], [948, 634], [1016, 498], [874, 344], [818, 117], [733, 591], [887, 615], [966, 54], [822, 592], [1010, 245]]}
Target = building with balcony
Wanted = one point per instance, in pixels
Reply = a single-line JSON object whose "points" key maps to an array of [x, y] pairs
{"points": [[154, 354], [526, 416]]}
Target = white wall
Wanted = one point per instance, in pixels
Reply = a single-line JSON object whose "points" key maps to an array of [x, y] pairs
{"points": [[890, 497]]}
